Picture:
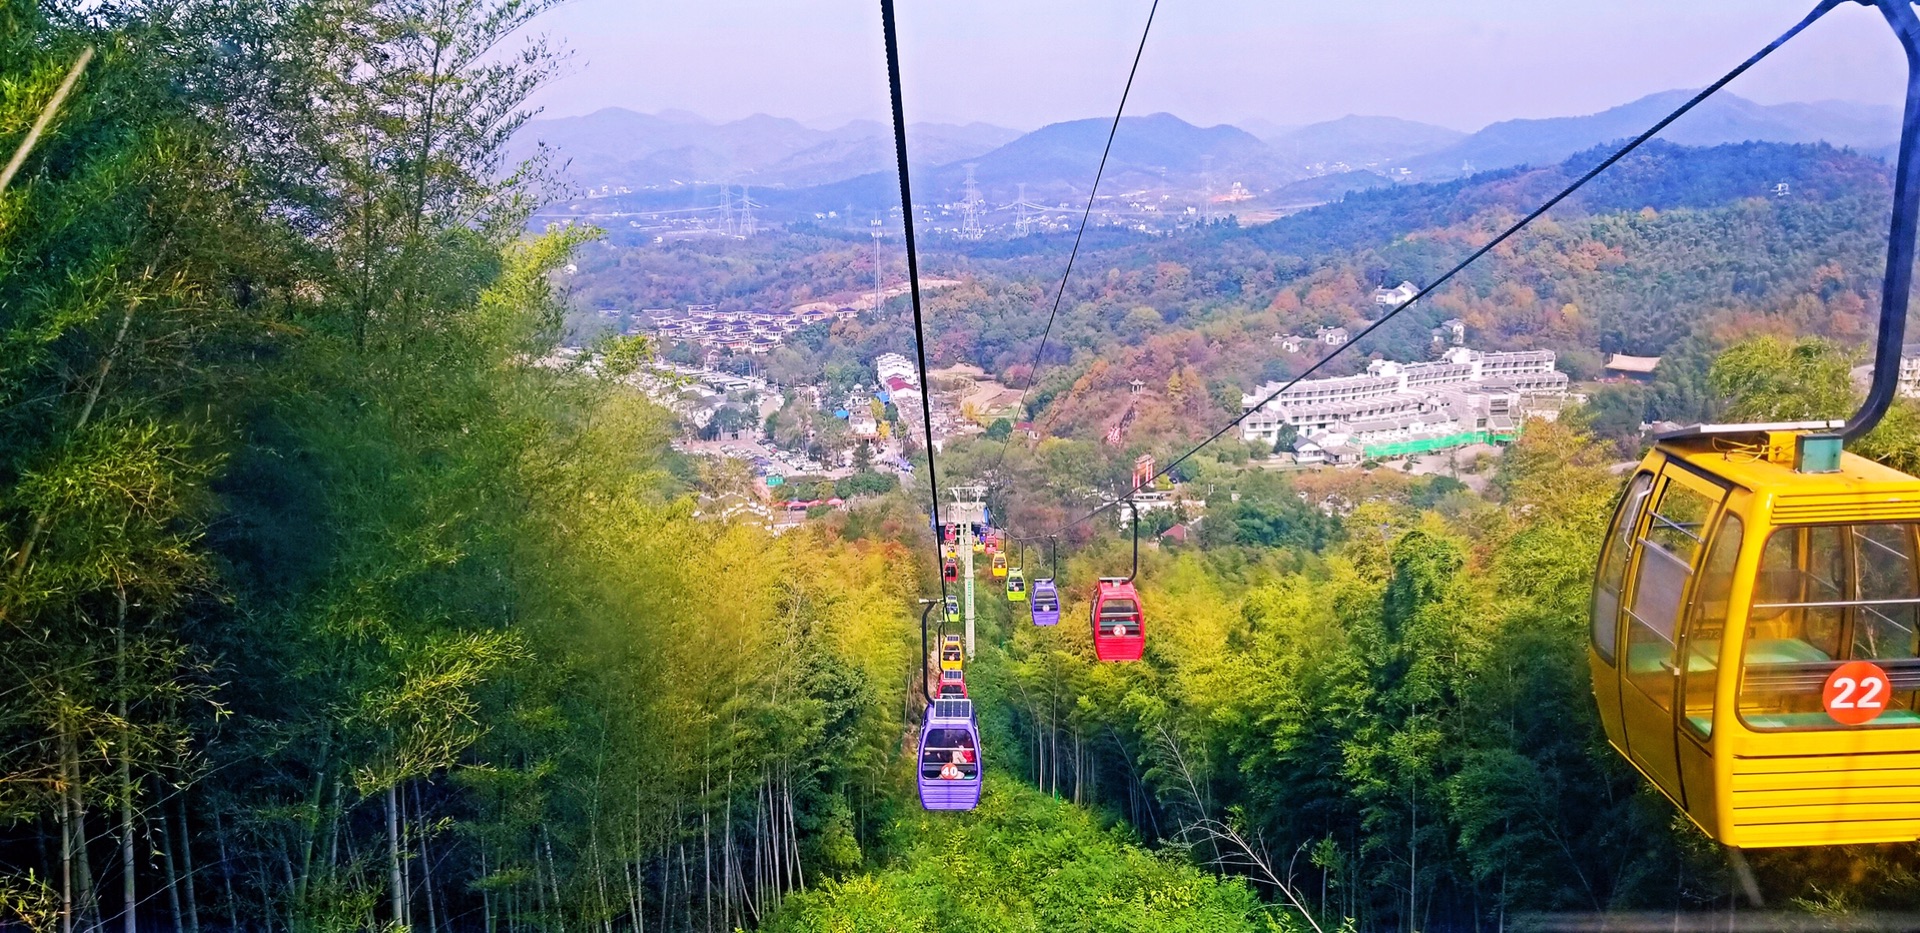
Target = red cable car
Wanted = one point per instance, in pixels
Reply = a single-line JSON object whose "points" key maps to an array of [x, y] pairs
{"points": [[950, 570], [1119, 621]]}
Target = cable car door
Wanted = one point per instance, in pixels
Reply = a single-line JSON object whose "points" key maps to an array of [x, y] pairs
{"points": [[1663, 563], [1609, 591], [1703, 640]]}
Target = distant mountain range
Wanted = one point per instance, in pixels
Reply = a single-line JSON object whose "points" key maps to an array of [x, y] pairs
{"points": [[660, 159], [1360, 141], [1722, 118], [1155, 150], [617, 147]]}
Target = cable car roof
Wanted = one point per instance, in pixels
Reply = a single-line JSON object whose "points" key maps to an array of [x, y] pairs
{"points": [[951, 710], [1863, 482], [1757, 430]]}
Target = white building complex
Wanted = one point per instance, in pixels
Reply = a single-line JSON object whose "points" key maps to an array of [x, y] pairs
{"points": [[1909, 382], [1909, 371], [893, 364], [899, 379], [1395, 409]]}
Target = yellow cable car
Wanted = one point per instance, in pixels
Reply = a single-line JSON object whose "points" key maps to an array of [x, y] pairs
{"points": [[1016, 585], [1804, 589], [1754, 648], [952, 658], [1000, 565]]}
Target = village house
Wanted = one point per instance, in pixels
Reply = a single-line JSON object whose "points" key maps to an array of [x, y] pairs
{"points": [[1397, 295]]}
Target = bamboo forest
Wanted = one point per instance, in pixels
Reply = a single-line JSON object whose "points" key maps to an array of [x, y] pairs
{"points": [[432, 503]]}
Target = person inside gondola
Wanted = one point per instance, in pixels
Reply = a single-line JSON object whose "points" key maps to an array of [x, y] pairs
{"points": [[935, 759], [949, 749]]}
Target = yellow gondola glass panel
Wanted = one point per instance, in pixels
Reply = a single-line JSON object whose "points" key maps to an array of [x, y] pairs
{"points": [[1723, 560]]}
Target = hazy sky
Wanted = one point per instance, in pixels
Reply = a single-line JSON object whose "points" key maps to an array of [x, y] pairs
{"points": [[1024, 63]]}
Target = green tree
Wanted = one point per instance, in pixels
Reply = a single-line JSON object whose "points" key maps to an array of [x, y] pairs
{"points": [[1284, 438], [1770, 379]]}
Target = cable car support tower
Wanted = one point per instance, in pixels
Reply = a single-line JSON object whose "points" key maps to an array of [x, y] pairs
{"points": [[972, 207], [878, 291], [969, 510], [1025, 212]]}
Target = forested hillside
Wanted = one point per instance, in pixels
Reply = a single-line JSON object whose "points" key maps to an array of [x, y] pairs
{"points": [[1676, 251], [331, 599], [339, 593], [1024, 861], [1380, 718], [1398, 719]]}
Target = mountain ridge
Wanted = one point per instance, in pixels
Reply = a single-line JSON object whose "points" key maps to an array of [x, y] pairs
{"points": [[615, 147], [1723, 118], [798, 170], [1360, 140]]}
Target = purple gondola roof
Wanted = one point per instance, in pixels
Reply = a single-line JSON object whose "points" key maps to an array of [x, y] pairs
{"points": [[949, 713]]}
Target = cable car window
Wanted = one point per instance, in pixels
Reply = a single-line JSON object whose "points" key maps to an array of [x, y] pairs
{"points": [[1680, 521], [1825, 595], [1706, 626], [1673, 537], [1119, 617], [1613, 568], [1800, 591], [950, 755], [1884, 629]]}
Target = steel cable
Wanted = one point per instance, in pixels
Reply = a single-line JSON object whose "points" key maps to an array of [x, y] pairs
{"points": [[1033, 370], [913, 271]]}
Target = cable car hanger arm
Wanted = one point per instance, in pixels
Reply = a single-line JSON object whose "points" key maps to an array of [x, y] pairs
{"points": [[1900, 233], [929, 604]]}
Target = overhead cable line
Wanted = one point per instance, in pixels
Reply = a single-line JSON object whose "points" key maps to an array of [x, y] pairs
{"points": [[913, 267], [1631, 145], [1033, 371]]}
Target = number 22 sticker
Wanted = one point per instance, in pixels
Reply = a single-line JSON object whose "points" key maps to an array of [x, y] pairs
{"points": [[1856, 693]]}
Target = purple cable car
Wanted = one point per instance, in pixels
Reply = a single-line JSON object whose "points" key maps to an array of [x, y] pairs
{"points": [[1045, 599], [949, 760]]}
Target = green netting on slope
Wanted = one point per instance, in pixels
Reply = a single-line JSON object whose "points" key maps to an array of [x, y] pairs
{"points": [[1424, 445], [1428, 445]]}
